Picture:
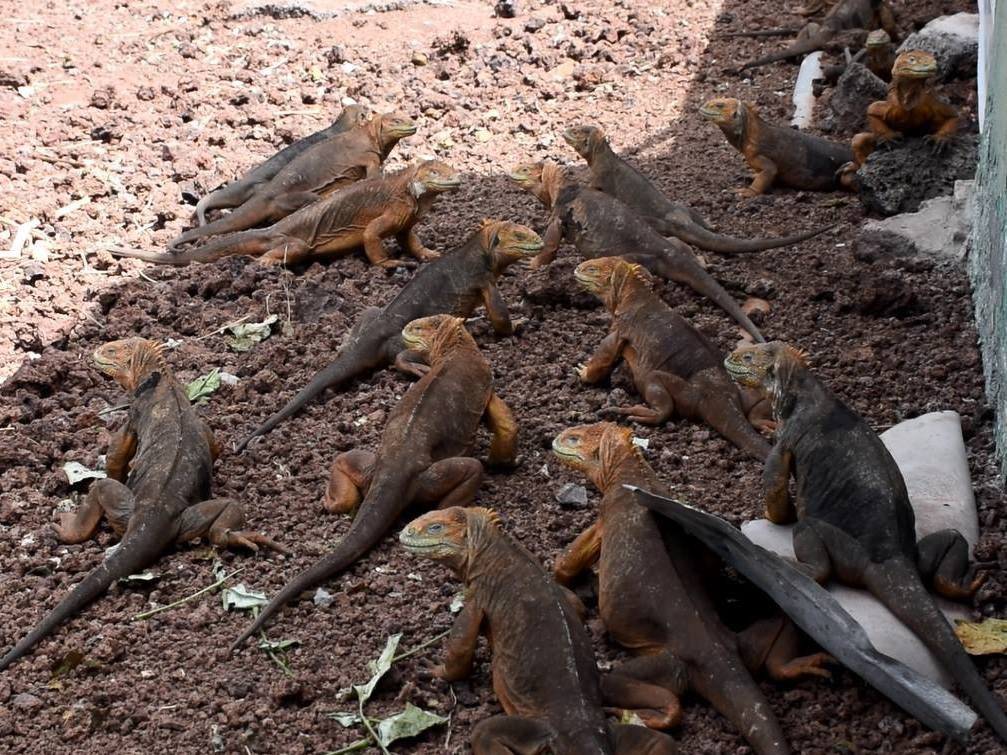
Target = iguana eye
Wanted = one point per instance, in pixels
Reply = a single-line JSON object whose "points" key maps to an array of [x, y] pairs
{"points": [[435, 528], [747, 358]]}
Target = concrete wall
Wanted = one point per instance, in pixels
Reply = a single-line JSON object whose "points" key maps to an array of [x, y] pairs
{"points": [[988, 256]]}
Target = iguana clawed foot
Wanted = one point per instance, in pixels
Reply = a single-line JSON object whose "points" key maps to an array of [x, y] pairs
{"points": [[247, 539]]}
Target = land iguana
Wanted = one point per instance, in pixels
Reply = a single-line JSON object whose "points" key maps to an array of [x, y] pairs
{"points": [[362, 214], [241, 189], [877, 56], [424, 454], [614, 176], [544, 671], [845, 15], [777, 154], [911, 109], [671, 625], [675, 367], [455, 284], [157, 492], [854, 520], [601, 226], [320, 170]]}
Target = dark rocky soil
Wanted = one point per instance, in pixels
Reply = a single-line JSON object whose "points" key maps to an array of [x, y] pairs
{"points": [[126, 112]]}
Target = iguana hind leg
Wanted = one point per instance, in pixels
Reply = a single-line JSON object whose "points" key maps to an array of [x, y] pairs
{"points": [[450, 482], [108, 497], [348, 481], [812, 553], [220, 520], [774, 645], [512, 735], [665, 395], [649, 686], [944, 565], [284, 250], [639, 740]]}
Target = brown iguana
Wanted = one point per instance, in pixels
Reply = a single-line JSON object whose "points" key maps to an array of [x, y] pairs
{"points": [[854, 520], [544, 671], [844, 15], [241, 189], [777, 154], [320, 170], [424, 455], [653, 598], [911, 108], [675, 367], [157, 490], [601, 226], [614, 176], [455, 284], [362, 214]]}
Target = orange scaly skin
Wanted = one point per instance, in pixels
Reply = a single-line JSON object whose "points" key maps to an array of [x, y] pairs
{"points": [[854, 520], [242, 189], [675, 367], [320, 170], [777, 154], [653, 599], [911, 109], [601, 226], [424, 455], [614, 176], [544, 671], [157, 492], [361, 214]]}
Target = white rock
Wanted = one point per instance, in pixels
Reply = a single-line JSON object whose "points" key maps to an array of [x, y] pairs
{"points": [[931, 454], [940, 228]]}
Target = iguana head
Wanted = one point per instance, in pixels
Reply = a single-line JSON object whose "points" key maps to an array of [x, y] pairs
{"points": [[543, 179], [432, 336], [584, 139], [762, 365], [354, 115], [724, 111], [914, 64], [434, 177], [595, 450], [451, 536], [508, 242], [877, 38], [130, 361], [391, 127], [608, 278]]}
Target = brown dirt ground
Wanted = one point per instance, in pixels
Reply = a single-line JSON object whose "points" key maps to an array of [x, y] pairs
{"points": [[126, 108]]}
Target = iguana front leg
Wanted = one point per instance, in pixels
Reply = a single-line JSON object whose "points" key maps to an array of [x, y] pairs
{"points": [[649, 686], [776, 482], [765, 174], [109, 497], [580, 555], [386, 224], [415, 247], [460, 648], [450, 482], [550, 243], [411, 363], [603, 360], [120, 453], [503, 426], [220, 521], [948, 118], [774, 645], [496, 310], [876, 113]]}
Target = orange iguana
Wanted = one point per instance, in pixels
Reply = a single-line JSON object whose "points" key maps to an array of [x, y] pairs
{"points": [[317, 172], [157, 492], [360, 215]]}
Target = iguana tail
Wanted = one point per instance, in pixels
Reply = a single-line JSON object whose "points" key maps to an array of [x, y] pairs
{"points": [[716, 242], [252, 242], [385, 501], [728, 685], [230, 195], [136, 551], [685, 269], [759, 33], [896, 583], [801, 47], [727, 419], [361, 354]]}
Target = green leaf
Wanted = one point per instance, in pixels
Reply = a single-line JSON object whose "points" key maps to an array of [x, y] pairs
{"points": [[408, 723], [240, 598], [76, 472], [247, 334], [378, 668], [203, 386], [983, 638], [346, 720], [275, 646], [457, 602], [144, 577]]}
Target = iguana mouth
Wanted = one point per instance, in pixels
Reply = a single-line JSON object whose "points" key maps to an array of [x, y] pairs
{"points": [[710, 113], [413, 341], [444, 184], [561, 451], [570, 137], [586, 281], [738, 372], [529, 247], [921, 71], [403, 130]]}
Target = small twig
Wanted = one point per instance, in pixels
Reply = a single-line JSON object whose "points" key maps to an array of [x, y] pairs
{"points": [[367, 725], [214, 586], [358, 745], [111, 409], [418, 648], [451, 715], [222, 328], [284, 666]]}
